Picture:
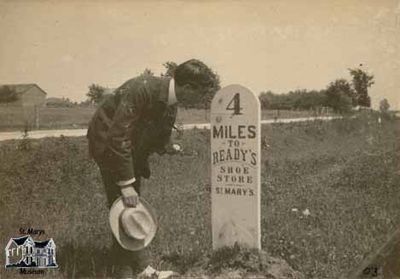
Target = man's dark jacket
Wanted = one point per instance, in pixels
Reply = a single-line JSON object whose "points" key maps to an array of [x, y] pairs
{"points": [[131, 124]]}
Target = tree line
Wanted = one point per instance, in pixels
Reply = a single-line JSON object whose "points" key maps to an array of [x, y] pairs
{"points": [[340, 95]]}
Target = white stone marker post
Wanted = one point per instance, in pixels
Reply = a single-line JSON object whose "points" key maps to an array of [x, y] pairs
{"points": [[235, 168]]}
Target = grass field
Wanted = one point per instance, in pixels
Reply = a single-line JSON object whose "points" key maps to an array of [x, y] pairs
{"points": [[17, 118], [346, 172]]}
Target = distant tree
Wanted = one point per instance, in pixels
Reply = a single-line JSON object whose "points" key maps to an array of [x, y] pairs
{"points": [[270, 100], [60, 103], [299, 99], [314, 99], [170, 69], [361, 82], [384, 106], [85, 103], [7, 95], [339, 96], [96, 93], [147, 72], [266, 99]]}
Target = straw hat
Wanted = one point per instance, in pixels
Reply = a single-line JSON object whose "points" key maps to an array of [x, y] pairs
{"points": [[133, 227]]}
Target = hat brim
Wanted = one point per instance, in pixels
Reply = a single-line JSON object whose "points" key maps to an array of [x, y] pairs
{"points": [[125, 241]]}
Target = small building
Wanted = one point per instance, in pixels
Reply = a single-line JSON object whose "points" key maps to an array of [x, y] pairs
{"points": [[25, 252], [26, 94]]}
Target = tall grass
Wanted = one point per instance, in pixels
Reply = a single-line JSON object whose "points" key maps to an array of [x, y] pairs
{"points": [[346, 172]]}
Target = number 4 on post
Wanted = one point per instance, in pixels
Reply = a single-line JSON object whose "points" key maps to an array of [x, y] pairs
{"points": [[234, 105]]}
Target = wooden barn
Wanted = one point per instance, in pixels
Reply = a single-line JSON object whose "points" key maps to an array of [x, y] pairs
{"points": [[27, 95]]}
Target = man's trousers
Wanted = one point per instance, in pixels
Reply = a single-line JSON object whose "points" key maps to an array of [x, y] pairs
{"points": [[119, 256]]}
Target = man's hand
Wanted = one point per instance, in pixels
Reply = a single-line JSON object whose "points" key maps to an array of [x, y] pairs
{"points": [[129, 196]]}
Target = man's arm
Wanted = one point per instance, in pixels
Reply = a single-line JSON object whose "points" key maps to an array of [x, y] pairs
{"points": [[165, 127], [127, 115], [154, 138], [157, 134]]}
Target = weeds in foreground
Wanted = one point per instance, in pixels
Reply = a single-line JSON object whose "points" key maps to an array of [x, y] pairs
{"points": [[237, 257], [344, 171], [25, 143]]}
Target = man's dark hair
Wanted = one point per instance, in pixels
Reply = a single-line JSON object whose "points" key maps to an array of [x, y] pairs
{"points": [[194, 72]]}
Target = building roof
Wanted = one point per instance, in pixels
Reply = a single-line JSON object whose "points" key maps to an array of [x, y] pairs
{"points": [[20, 240], [41, 244], [22, 88], [38, 244]]}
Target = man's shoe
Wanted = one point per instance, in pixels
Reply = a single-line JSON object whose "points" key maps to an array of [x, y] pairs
{"points": [[140, 261]]}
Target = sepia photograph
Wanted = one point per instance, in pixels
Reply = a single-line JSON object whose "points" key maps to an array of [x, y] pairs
{"points": [[200, 139]]}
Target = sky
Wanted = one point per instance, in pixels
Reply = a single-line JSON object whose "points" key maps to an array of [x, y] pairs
{"points": [[64, 46]]}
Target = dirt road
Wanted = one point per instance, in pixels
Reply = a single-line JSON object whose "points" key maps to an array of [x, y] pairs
{"points": [[82, 132]]}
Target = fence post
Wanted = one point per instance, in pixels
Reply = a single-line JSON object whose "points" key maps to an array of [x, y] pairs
{"points": [[37, 117]]}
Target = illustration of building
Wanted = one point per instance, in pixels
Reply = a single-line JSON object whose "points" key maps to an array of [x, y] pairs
{"points": [[25, 252]]}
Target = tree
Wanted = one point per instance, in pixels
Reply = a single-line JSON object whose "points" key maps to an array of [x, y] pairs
{"points": [[96, 93], [384, 106], [147, 73], [266, 99], [361, 82], [60, 103], [86, 103], [170, 69], [7, 95], [339, 96], [298, 99]]}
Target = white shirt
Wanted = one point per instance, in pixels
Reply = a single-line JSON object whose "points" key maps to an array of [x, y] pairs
{"points": [[171, 92]]}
